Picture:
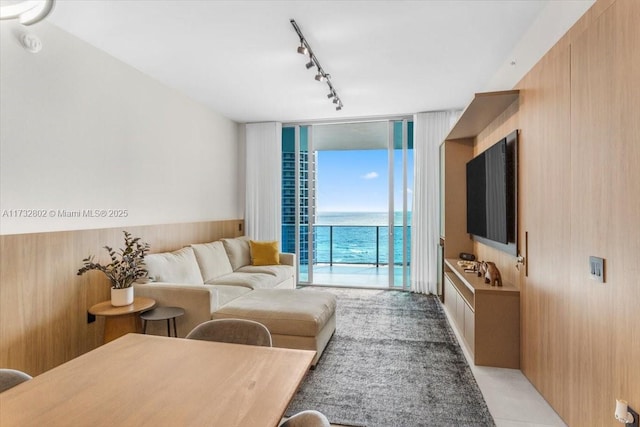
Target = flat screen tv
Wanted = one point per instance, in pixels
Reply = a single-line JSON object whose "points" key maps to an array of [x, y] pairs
{"points": [[492, 195]]}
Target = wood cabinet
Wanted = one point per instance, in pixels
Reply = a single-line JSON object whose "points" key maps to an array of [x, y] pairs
{"points": [[486, 317]]}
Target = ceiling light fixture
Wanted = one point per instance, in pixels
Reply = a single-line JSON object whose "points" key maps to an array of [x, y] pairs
{"points": [[27, 12], [321, 75]]}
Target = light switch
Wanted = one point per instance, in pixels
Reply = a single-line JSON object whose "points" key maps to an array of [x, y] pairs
{"points": [[596, 266]]}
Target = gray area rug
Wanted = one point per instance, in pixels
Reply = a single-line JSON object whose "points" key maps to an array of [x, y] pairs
{"points": [[393, 361]]}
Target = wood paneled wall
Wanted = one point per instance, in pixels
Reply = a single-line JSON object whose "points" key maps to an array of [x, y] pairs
{"points": [[455, 200], [579, 113], [43, 303], [605, 211]]}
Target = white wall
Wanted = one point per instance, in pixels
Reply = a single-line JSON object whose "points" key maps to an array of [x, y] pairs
{"points": [[81, 130]]}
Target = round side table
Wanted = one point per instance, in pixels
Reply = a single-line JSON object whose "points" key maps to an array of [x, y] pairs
{"points": [[163, 313], [119, 321]]}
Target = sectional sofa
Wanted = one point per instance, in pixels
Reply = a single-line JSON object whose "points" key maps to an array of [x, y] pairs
{"points": [[218, 280]]}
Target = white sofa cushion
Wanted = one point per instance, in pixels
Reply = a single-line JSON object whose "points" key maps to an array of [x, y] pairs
{"points": [[212, 259], [283, 311], [174, 267], [226, 294], [248, 280], [238, 251], [281, 272]]}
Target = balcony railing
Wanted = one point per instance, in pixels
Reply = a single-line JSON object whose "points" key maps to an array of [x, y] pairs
{"points": [[353, 244]]}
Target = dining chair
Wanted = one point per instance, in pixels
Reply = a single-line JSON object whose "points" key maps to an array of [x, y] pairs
{"points": [[11, 378], [308, 418], [235, 331]]}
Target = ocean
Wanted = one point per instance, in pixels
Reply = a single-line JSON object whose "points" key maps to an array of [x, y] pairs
{"points": [[355, 235]]}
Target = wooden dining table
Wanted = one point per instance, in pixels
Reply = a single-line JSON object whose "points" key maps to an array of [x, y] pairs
{"points": [[146, 380]]}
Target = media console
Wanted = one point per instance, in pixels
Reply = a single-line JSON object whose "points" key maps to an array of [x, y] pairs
{"points": [[486, 317]]}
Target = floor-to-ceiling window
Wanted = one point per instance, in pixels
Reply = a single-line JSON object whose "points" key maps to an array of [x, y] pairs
{"points": [[297, 198], [347, 202]]}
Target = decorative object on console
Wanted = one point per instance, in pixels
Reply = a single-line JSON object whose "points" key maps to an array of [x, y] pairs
{"points": [[482, 268], [468, 266], [490, 272], [126, 267], [467, 257]]}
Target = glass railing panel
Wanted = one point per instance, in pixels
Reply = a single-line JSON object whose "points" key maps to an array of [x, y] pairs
{"points": [[356, 244]]}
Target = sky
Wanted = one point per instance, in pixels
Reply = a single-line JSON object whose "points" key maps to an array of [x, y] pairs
{"points": [[357, 181]]}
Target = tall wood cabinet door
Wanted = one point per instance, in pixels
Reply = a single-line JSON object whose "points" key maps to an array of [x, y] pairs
{"points": [[544, 222], [469, 327], [450, 296], [460, 305]]}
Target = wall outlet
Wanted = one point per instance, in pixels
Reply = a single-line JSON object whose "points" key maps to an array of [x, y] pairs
{"points": [[596, 268]]}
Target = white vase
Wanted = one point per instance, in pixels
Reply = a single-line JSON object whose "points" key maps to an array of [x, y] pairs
{"points": [[123, 296]]}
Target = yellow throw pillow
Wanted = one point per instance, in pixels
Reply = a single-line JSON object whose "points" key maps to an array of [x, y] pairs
{"points": [[264, 253]]}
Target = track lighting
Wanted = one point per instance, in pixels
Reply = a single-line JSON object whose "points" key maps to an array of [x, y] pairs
{"points": [[321, 75]]}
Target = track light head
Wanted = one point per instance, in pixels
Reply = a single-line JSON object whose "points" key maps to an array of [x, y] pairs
{"points": [[336, 100], [320, 77], [302, 49], [331, 95], [309, 64], [339, 107]]}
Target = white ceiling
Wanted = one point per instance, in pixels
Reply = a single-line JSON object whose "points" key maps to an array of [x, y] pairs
{"points": [[351, 136], [385, 57]]}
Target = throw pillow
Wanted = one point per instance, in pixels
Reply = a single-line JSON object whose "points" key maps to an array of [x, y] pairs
{"points": [[238, 251], [212, 259], [174, 267], [264, 253]]}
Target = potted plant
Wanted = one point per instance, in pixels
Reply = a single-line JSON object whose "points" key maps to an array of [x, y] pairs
{"points": [[127, 266]]}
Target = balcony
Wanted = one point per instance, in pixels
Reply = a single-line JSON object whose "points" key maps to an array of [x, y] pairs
{"points": [[354, 255]]}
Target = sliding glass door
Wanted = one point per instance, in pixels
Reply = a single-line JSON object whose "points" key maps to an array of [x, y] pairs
{"points": [[346, 202], [401, 145]]}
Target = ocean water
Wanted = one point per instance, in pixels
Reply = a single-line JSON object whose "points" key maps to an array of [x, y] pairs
{"points": [[351, 237]]}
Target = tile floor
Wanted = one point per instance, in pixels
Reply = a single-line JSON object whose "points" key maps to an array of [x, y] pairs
{"points": [[511, 398], [364, 276]]}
